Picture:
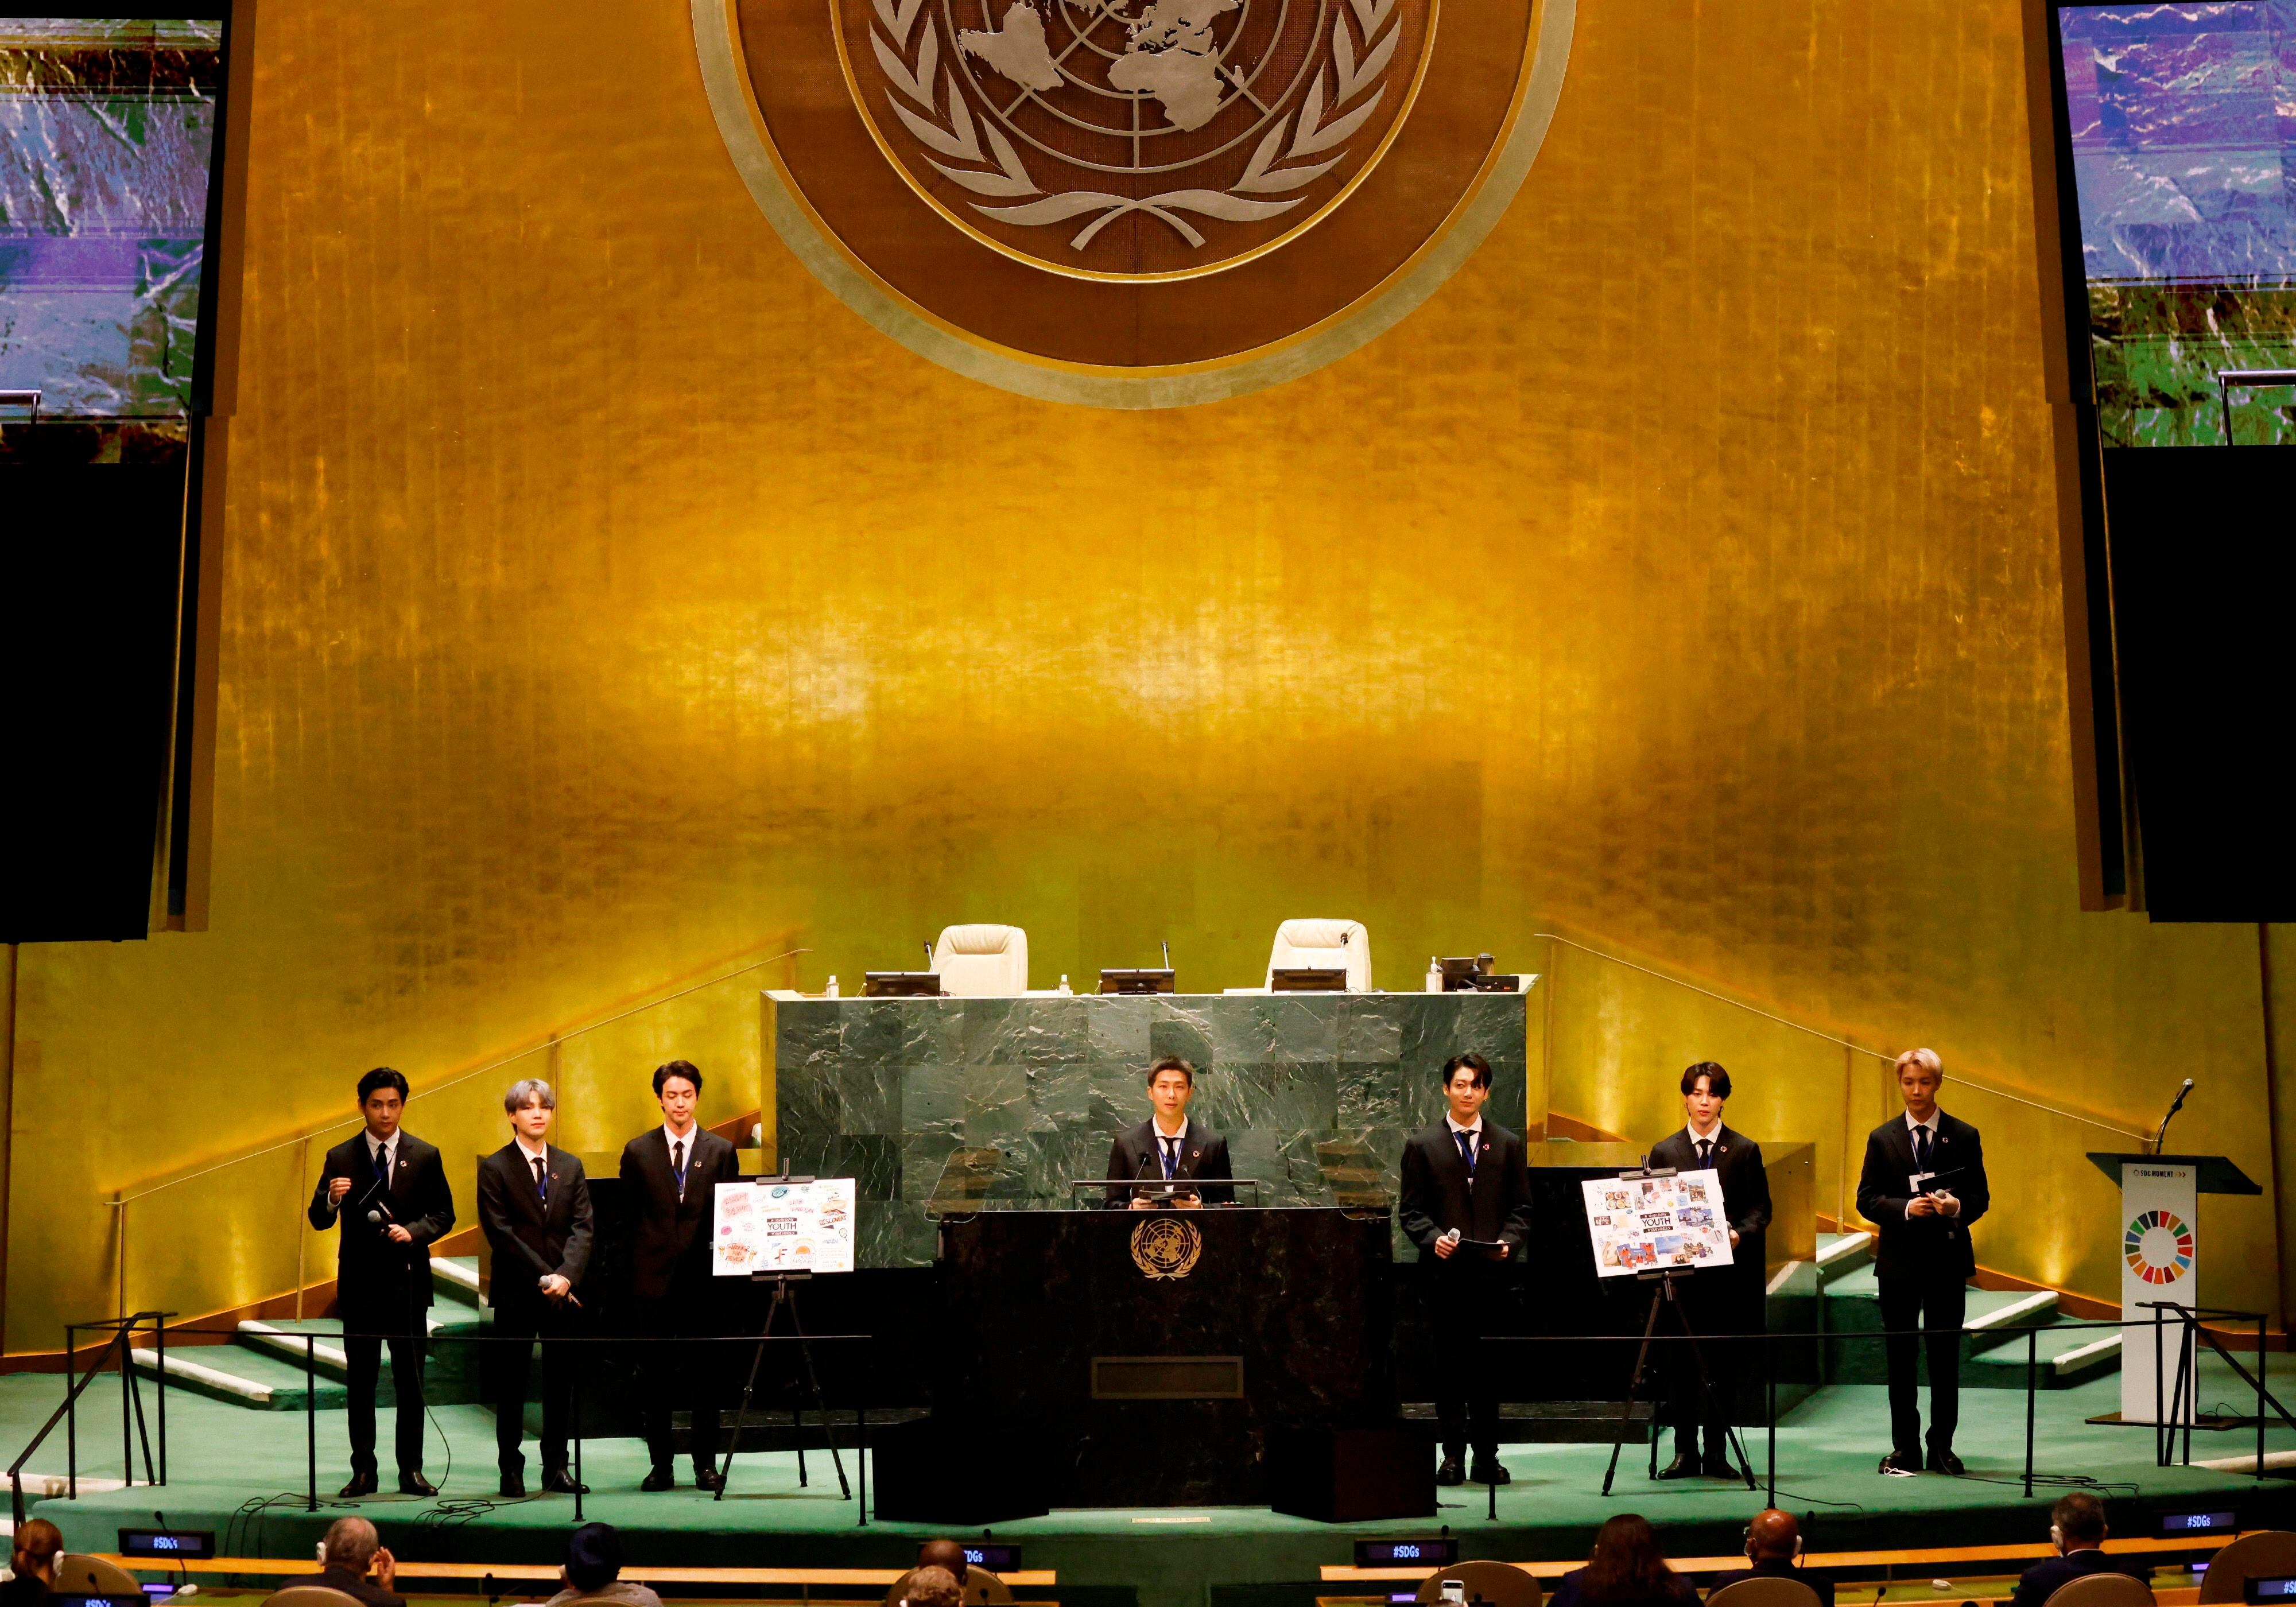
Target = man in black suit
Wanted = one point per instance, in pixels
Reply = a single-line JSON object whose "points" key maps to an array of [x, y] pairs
{"points": [[1465, 1187], [534, 1205], [390, 1191], [1923, 1187], [1167, 1147], [671, 1175], [354, 1560], [1774, 1546], [2077, 1528], [1720, 1300]]}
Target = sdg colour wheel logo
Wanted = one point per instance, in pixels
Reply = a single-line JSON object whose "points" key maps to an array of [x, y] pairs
{"points": [[2159, 1247]]}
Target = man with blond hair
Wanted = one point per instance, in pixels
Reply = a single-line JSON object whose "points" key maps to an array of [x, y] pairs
{"points": [[1923, 1188]]}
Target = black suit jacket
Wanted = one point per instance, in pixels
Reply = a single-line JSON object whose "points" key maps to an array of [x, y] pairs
{"points": [[1745, 1187], [1916, 1246], [670, 1237], [1438, 1194], [359, 1590], [532, 1239], [1135, 1153], [382, 1287], [2043, 1579], [1774, 1569]]}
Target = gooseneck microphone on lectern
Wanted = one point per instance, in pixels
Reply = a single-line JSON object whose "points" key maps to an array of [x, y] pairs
{"points": [[2160, 1136]]}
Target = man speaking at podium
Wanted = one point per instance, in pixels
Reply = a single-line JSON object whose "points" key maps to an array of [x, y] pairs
{"points": [[390, 1193], [1923, 1187], [1167, 1147], [1465, 1203]]}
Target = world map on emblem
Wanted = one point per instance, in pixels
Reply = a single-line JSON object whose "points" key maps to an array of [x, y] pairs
{"points": [[1135, 137]]}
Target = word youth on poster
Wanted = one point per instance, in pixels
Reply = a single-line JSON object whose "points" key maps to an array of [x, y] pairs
{"points": [[1656, 1224], [767, 1226]]}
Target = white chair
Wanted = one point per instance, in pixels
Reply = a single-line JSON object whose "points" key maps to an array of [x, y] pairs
{"points": [[977, 961], [1324, 944]]}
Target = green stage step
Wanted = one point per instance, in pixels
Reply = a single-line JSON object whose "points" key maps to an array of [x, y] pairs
{"points": [[238, 1376], [1993, 1355]]}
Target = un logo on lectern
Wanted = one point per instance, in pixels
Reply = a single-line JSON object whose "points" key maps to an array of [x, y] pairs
{"points": [[1133, 203], [1165, 1247], [2159, 1247]]}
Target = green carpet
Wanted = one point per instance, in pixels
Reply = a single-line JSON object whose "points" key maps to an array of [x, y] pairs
{"points": [[242, 1473]]}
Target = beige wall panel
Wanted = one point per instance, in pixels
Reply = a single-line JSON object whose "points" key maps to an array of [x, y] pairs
{"points": [[601, 598]]}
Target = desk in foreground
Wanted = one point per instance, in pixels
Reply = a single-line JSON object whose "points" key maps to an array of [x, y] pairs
{"points": [[1013, 1097]]}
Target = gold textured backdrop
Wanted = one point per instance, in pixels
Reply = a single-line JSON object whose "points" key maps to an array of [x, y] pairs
{"points": [[600, 597]]}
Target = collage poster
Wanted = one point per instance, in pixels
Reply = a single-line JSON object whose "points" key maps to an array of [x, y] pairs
{"points": [[1651, 1224], [766, 1227]]}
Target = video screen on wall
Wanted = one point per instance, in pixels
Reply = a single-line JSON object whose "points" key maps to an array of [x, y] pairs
{"points": [[2182, 122], [107, 129]]}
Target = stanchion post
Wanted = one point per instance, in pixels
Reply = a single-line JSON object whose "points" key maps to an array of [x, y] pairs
{"points": [[162, 1320], [574, 1410], [2260, 1394], [126, 1403], [311, 1422], [2032, 1379], [1770, 1392], [72, 1411], [861, 1428], [2164, 1438]]}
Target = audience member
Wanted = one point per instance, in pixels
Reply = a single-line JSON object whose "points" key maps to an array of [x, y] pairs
{"points": [[1625, 1569], [354, 1560], [1774, 1547], [593, 1569], [38, 1543], [2077, 1528], [944, 1553], [933, 1587]]}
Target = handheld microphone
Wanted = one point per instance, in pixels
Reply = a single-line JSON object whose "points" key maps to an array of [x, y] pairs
{"points": [[2160, 1136]]}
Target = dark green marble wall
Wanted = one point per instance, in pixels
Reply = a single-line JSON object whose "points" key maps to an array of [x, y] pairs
{"points": [[999, 1102]]}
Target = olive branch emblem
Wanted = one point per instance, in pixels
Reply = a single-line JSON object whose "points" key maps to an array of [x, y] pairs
{"points": [[916, 70]]}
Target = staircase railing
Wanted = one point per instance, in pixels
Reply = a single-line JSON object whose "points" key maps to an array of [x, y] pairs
{"points": [[146, 1214]]}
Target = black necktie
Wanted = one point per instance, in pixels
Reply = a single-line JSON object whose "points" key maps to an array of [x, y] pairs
{"points": [[1466, 1149], [1171, 1156], [1705, 1154], [678, 1164], [541, 1184], [383, 1165], [1921, 1149]]}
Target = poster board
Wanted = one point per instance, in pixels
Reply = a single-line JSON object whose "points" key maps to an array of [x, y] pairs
{"points": [[768, 1224], [1642, 1225]]}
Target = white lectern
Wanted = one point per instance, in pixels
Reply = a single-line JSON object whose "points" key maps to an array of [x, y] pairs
{"points": [[2160, 1261]]}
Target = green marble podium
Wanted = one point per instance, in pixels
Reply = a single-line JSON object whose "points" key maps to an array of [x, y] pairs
{"points": [[945, 1105]]}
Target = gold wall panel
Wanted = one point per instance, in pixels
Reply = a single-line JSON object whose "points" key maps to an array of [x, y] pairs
{"points": [[600, 597]]}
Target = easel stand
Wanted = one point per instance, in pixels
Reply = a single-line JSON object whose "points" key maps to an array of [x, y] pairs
{"points": [[784, 1296], [1668, 1295]]}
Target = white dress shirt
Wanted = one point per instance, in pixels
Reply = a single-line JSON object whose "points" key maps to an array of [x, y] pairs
{"points": [[687, 1138], [1177, 1141]]}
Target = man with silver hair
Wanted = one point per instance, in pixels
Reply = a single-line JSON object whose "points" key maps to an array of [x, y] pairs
{"points": [[1923, 1188], [534, 1207]]}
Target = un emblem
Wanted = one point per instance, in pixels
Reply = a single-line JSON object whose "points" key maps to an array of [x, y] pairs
{"points": [[1165, 1247], [1133, 202]]}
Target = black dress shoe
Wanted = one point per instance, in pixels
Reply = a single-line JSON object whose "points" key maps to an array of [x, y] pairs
{"points": [[1488, 1471], [361, 1484], [1684, 1466], [1902, 1464], [559, 1481], [708, 1478], [659, 1479], [514, 1484], [1451, 1471], [415, 1484], [1718, 1467], [1943, 1461]]}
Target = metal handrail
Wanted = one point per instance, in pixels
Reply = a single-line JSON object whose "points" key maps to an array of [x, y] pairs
{"points": [[67, 1410]]}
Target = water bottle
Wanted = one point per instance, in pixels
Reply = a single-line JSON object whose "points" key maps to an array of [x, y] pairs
{"points": [[832, 987], [1066, 991], [1434, 974]]}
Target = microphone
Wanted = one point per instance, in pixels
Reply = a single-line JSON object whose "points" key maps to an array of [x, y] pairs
{"points": [[928, 956], [183, 1573], [1168, 952], [2158, 1138]]}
